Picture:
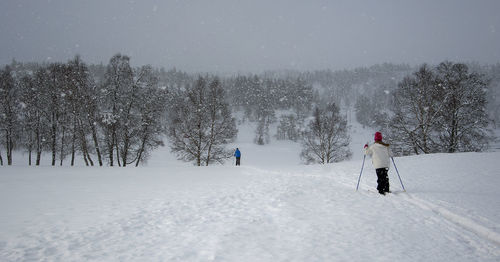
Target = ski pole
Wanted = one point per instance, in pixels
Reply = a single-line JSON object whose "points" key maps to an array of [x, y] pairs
{"points": [[394, 163], [363, 165]]}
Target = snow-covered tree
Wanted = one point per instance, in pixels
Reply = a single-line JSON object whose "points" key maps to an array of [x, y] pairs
{"points": [[289, 127], [31, 117], [326, 140], [82, 105], [150, 107], [299, 95], [364, 110], [264, 114], [89, 111], [117, 83], [493, 95], [60, 108], [201, 124], [55, 110], [417, 109], [464, 119], [440, 110], [8, 112]]}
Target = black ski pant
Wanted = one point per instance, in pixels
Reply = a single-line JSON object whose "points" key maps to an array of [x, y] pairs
{"points": [[238, 161], [382, 180]]}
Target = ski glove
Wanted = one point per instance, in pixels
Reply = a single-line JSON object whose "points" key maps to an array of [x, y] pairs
{"points": [[366, 145]]}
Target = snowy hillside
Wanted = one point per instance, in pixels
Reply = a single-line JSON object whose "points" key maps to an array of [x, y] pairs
{"points": [[269, 209]]}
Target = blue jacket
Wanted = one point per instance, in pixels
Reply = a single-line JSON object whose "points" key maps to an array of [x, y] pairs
{"points": [[237, 153]]}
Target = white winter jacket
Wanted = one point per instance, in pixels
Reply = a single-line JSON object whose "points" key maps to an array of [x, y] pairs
{"points": [[380, 154]]}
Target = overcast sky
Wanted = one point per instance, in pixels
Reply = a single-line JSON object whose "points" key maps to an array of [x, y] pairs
{"points": [[254, 35]]}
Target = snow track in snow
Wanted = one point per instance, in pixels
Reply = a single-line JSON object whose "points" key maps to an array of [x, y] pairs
{"points": [[460, 220]]}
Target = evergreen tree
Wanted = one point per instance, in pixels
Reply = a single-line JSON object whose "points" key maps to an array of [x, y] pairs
{"points": [[302, 97], [264, 113], [289, 128], [364, 111]]}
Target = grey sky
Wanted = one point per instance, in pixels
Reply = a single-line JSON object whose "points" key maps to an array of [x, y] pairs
{"points": [[255, 35]]}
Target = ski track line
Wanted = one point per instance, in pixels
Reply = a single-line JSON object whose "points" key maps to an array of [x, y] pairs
{"points": [[456, 219], [462, 221]]}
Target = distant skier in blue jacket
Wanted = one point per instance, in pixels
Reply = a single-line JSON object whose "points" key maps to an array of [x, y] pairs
{"points": [[237, 154]]}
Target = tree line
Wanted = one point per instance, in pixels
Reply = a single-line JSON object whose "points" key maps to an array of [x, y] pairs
{"points": [[112, 114], [435, 109], [61, 108], [116, 114]]}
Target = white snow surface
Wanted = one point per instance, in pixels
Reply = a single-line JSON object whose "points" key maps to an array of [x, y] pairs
{"points": [[271, 208]]}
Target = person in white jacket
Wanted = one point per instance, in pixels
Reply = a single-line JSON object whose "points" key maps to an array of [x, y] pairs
{"points": [[380, 154]]}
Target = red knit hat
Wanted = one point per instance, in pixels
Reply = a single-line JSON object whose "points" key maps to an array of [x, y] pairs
{"points": [[378, 136]]}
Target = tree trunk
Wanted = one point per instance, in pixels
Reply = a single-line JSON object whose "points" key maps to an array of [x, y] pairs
{"points": [[38, 143], [126, 139], [9, 146], [54, 139], [125, 148], [73, 149], [200, 141], [90, 159], [452, 142], [38, 156], [143, 145], [62, 146], [30, 147], [29, 156], [96, 142], [117, 154], [85, 159], [111, 146], [84, 146], [140, 154], [110, 153], [9, 154], [212, 138], [83, 141]]}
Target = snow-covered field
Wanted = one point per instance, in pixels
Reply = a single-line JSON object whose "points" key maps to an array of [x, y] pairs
{"points": [[269, 209]]}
